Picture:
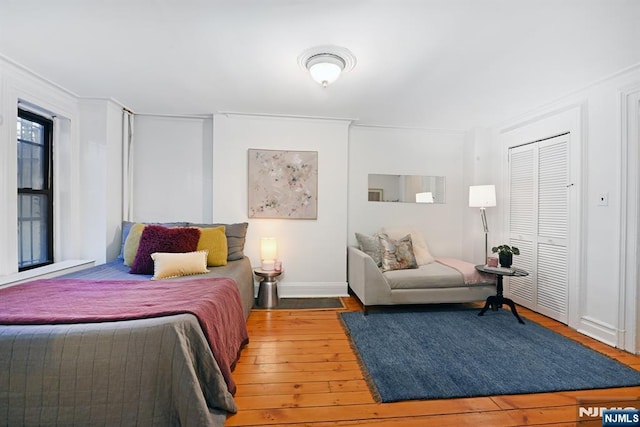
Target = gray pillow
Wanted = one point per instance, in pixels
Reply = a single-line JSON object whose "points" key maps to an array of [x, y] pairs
{"points": [[370, 245], [236, 236]]}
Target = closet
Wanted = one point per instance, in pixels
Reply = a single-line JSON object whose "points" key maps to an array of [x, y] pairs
{"points": [[538, 224]]}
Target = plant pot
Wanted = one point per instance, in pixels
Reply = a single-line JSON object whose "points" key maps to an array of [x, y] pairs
{"points": [[505, 260]]}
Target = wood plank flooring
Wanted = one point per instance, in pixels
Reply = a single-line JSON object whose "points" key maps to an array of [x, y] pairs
{"points": [[299, 370]]}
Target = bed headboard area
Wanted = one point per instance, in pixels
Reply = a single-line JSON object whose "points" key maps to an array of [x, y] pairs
{"points": [[182, 245]]}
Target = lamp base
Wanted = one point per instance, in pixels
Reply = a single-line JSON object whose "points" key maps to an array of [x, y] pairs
{"points": [[268, 265]]}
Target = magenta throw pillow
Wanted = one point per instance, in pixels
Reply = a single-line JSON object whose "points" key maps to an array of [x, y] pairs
{"points": [[156, 238]]}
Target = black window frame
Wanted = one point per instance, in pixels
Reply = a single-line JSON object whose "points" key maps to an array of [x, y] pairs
{"points": [[47, 186]]}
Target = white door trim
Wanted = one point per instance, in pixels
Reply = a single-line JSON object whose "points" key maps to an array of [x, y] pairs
{"points": [[628, 304]]}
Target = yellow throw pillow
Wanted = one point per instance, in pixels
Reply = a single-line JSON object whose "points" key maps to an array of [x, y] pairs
{"points": [[214, 240], [167, 265], [132, 243]]}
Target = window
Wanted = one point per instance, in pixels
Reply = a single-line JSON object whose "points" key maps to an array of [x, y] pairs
{"points": [[35, 191]]}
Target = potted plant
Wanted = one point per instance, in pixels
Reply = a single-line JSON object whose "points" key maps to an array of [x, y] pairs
{"points": [[505, 254]]}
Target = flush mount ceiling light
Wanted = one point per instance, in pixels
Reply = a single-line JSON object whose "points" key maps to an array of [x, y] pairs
{"points": [[326, 63]]}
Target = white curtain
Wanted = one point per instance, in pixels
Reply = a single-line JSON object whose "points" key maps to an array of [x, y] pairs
{"points": [[127, 164]]}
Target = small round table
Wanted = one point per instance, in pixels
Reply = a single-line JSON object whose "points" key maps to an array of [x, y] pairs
{"points": [[496, 301], [268, 290]]}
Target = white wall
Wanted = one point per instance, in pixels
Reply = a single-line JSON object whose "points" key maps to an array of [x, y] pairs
{"points": [[19, 85], [113, 196], [172, 175], [101, 178], [409, 152], [598, 123], [313, 252], [479, 166]]}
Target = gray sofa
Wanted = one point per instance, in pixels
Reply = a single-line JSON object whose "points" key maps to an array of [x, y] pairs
{"points": [[428, 284]]}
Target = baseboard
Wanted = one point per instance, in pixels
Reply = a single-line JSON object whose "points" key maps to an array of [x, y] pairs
{"points": [[598, 330], [310, 289]]}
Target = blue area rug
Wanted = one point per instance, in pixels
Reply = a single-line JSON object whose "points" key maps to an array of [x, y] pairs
{"points": [[436, 353]]}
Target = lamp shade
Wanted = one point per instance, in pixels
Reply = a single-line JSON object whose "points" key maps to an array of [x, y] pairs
{"points": [[268, 252], [482, 196]]}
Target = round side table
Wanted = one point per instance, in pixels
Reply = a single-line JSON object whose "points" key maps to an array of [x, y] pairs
{"points": [[495, 302], [268, 290]]}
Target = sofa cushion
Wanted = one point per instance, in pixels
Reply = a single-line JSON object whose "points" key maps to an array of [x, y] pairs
{"points": [[420, 248], [370, 245], [432, 275], [396, 254]]}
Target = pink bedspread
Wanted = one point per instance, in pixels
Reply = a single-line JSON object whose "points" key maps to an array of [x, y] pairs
{"points": [[214, 301], [468, 271]]}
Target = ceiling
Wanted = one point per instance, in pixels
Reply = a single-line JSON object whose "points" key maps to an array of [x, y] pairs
{"points": [[445, 64]]}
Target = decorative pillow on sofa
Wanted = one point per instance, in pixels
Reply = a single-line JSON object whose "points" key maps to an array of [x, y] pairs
{"points": [[167, 265], [396, 254], [156, 238], [370, 245], [236, 236], [420, 248], [214, 241]]}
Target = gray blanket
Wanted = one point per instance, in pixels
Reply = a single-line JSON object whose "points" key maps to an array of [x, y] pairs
{"points": [[156, 371], [148, 372]]}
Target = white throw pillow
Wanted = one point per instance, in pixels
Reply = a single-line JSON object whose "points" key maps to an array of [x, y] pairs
{"points": [[167, 265], [420, 248]]}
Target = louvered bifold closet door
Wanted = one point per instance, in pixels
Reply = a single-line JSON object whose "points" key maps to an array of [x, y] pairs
{"points": [[522, 220], [538, 225], [553, 227]]}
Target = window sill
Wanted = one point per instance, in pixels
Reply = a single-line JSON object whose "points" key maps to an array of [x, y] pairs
{"points": [[46, 272]]}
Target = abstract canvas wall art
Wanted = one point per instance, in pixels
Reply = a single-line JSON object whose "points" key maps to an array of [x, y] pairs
{"points": [[283, 184]]}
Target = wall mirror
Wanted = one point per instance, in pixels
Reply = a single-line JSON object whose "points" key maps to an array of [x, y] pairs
{"points": [[406, 188]]}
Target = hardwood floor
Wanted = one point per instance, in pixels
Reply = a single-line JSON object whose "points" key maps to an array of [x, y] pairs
{"points": [[299, 370]]}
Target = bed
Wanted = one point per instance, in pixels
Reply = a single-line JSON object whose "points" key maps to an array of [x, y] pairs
{"points": [[168, 368]]}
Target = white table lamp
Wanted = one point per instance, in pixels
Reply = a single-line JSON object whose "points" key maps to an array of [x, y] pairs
{"points": [[268, 252], [483, 196]]}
